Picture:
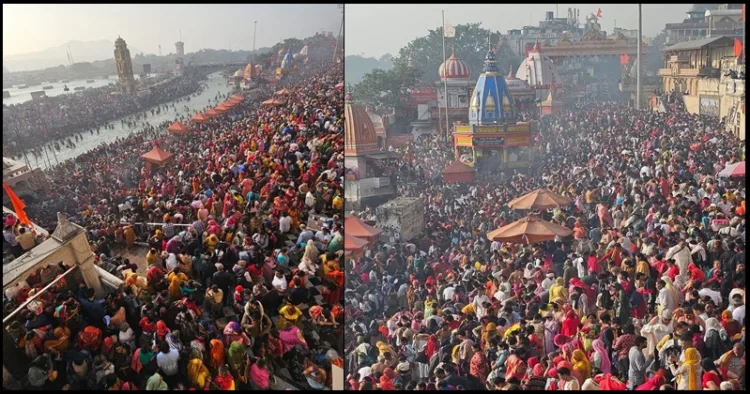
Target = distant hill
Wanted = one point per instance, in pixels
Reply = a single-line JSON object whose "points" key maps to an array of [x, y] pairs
{"points": [[355, 66], [83, 51]]}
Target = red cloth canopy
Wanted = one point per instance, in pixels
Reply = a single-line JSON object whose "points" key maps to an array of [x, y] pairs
{"points": [[221, 108], [157, 156], [211, 113], [735, 170], [355, 227], [178, 128], [458, 172], [352, 243], [199, 118]]}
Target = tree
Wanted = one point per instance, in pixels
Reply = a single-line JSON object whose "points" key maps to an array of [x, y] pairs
{"points": [[469, 44], [654, 56], [384, 90]]}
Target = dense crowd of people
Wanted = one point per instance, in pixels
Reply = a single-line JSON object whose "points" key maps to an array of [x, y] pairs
{"points": [[648, 293], [73, 114], [237, 290]]}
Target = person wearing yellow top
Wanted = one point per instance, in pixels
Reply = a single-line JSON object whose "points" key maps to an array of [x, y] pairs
{"points": [[197, 372], [291, 315], [338, 202], [468, 309], [176, 278], [428, 304], [558, 290]]}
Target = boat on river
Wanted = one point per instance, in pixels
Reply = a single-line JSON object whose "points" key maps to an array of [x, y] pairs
{"points": [[23, 86], [89, 81], [66, 89], [65, 81], [48, 87], [77, 88]]}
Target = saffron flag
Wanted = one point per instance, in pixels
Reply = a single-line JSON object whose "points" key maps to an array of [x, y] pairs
{"points": [[18, 205], [599, 13], [737, 47], [449, 30], [743, 12]]}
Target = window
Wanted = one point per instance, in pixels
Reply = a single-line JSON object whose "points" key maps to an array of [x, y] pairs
{"points": [[453, 101], [463, 100]]}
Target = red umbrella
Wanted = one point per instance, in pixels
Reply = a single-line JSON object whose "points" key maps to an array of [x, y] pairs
{"points": [[734, 170]]}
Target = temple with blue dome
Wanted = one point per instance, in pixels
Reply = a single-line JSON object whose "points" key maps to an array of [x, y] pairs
{"points": [[287, 65], [494, 138]]}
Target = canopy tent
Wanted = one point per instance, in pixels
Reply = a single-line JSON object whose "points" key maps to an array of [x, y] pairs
{"points": [[458, 172], [177, 128], [234, 101], [353, 245], [273, 102], [355, 227], [283, 92], [157, 156], [237, 97], [734, 170], [199, 118], [221, 108], [229, 103], [211, 113], [529, 230], [540, 199]]}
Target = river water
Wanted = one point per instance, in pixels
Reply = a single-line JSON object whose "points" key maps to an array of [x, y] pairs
{"points": [[18, 96], [214, 84]]}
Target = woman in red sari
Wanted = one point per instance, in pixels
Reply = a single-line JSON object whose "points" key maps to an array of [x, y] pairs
{"points": [[337, 276], [224, 380], [515, 366], [570, 324], [479, 368]]}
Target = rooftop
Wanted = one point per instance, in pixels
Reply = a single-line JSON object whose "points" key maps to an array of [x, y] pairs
{"points": [[694, 44]]}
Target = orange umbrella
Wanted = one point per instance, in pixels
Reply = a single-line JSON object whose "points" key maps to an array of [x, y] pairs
{"points": [[18, 205], [540, 199], [177, 128], [211, 113], [529, 230], [273, 102], [199, 118]]}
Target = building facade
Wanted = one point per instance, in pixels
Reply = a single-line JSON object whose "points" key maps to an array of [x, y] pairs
{"points": [[699, 24], [549, 32], [693, 68], [180, 48]]}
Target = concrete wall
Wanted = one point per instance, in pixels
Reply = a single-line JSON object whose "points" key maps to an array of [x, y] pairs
{"points": [[692, 104]]}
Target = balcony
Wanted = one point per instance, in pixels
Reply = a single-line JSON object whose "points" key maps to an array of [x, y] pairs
{"points": [[682, 72]]}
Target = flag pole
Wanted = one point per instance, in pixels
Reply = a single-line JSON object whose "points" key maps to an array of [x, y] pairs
{"points": [[445, 85], [638, 60]]}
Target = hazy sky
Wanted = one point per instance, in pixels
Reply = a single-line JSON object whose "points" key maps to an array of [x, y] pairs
{"points": [[33, 27], [367, 31]]}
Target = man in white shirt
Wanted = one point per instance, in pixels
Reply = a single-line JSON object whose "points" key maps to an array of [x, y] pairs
{"points": [[681, 254], [285, 223], [448, 292], [712, 291], [279, 281], [478, 302], [168, 360]]}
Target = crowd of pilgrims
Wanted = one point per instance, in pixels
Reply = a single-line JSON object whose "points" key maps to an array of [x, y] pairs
{"points": [[648, 293], [237, 290], [79, 114]]}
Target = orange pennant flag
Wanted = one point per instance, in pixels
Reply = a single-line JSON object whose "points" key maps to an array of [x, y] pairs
{"points": [[18, 205], [737, 48], [599, 13]]}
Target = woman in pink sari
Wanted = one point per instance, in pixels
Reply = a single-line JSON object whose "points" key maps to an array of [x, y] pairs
{"points": [[291, 337], [600, 357]]}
